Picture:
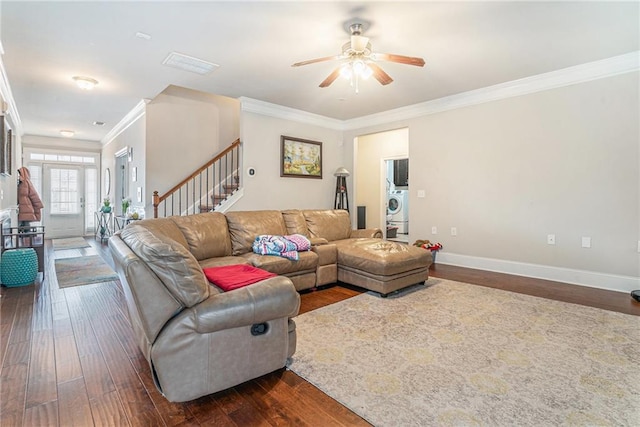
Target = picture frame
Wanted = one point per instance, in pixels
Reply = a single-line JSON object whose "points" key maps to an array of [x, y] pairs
{"points": [[300, 158]]}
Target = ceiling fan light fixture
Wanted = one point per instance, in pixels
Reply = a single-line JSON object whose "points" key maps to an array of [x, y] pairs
{"points": [[359, 43], [85, 83], [346, 71], [366, 72]]}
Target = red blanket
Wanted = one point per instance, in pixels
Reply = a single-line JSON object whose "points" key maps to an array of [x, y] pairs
{"points": [[231, 277]]}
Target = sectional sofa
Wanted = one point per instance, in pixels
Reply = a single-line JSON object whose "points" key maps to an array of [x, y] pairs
{"points": [[199, 339]]}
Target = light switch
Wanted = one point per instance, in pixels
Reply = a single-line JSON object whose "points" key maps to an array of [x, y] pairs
{"points": [[421, 194], [586, 242]]}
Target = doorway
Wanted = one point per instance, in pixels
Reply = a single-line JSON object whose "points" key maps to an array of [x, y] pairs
{"points": [[64, 200], [397, 199], [121, 179]]}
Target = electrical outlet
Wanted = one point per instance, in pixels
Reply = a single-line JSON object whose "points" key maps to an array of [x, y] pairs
{"points": [[454, 231], [551, 239], [586, 242], [434, 230]]}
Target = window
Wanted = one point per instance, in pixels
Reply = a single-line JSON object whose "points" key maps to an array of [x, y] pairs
{"points": [[90, 196], [64, 192]]}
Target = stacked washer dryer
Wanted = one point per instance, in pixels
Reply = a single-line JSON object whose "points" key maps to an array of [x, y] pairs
{"points": [[398, 210]]}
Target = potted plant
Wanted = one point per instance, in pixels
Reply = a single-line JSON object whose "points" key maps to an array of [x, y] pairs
{"points": [[106, 205], [433, 247], [126, 202]]}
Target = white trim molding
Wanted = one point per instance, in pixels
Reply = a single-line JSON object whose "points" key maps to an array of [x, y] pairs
{"points": [[138, 111], [557, 274], [609, 67], [7, 96], [251, 105]]}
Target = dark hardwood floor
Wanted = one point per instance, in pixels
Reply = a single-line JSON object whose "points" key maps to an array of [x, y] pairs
{"points": [[69, 358]]}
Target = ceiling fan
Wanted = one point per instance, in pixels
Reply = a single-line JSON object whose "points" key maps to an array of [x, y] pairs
{"points": [[358, 61]]}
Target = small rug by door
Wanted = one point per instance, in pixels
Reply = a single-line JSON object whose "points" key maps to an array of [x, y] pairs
{"points": [[455, 354], [83, 271], [70, 243]]}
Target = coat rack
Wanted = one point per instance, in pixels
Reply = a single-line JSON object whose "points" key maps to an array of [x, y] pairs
{"points": [[342, 196]]}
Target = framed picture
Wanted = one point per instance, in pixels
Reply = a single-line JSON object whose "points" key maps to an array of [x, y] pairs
{"points": [[300, 158]]}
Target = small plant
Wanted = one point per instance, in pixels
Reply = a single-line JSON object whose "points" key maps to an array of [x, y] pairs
{"points": [[126, 202], [106, 202]]}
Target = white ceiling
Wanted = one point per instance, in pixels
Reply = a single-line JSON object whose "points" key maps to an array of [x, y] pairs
{"points": [[466, 45]]}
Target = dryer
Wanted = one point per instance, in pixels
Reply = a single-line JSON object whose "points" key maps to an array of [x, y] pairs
{"points": [[398, 210]]}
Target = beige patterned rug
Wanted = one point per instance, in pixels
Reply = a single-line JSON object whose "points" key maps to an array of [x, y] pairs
{"points": [[70, 243], [463, 355], [83, 270]]}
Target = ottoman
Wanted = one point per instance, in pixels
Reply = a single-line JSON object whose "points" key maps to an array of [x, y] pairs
{"points": [[18, 267], [382, 266]]}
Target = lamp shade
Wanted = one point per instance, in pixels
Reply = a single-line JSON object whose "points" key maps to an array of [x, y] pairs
{"points": [[341, 171]]}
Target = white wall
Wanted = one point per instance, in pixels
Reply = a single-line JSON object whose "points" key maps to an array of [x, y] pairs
{"points": [[133, 137], [185, 128], [261, 150], [507, 173], [371, 149]]}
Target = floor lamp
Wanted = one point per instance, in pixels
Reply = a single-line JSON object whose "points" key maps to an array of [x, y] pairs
{"points": [[342, 197]]}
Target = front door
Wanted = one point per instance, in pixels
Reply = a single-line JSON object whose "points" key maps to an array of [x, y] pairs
{"points": [[63, 199]]}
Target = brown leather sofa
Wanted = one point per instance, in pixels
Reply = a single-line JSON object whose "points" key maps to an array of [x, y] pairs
{"points": [[197, 338]]}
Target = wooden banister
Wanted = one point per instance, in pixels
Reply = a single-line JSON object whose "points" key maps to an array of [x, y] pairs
{"points": [[157, 199]]}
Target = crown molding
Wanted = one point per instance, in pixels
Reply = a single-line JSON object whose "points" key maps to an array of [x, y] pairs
{"points": [[133, 115], [7, 96], [609, 67], [251, 105], [555, 79]]}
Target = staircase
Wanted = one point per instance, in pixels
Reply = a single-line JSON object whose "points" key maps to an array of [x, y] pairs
{"points": [[207, 189]]}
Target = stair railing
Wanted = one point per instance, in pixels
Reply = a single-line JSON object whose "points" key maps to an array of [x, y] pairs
{"points": [[205, 189]]}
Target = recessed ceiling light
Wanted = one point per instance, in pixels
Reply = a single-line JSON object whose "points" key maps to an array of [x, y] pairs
{"points": [[96, 123], [189, 63], [85, 83], [67, 133]]}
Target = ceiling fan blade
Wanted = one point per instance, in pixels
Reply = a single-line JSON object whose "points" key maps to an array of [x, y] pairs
{"points": [[379, 74], [313, 61], [331, 78], [408, 60]]}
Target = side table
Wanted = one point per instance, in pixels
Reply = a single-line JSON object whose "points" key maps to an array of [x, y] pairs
{"points": [[103, 225]]}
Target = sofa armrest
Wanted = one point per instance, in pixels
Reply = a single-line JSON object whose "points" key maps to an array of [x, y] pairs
{"points": [[367, 232], [270, 299]]}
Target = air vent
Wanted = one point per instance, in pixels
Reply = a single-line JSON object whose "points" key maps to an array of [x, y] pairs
{"points": [[189, 63]]}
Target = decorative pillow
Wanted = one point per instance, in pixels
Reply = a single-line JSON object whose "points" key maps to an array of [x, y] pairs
{"points": [[231, 277]]}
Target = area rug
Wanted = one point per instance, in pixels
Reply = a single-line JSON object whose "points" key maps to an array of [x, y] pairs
{"points": [[70, 243], [83, 271], [458, 354]]}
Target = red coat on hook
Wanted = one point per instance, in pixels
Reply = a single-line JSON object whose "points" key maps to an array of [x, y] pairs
{"points": [[29, 203]]}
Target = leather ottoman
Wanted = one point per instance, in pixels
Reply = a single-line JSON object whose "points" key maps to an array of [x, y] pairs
{"points": [[382, 266]]}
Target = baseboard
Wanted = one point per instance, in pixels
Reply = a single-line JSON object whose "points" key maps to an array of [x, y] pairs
{"points": [[558, 274]]}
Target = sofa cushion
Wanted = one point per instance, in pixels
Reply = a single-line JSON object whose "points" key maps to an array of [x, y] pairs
{"points": [[206, 234], [232, 277], [245, 226], [166, 227], [170, 261], [295, 222], [308, 261], [329, 224]]}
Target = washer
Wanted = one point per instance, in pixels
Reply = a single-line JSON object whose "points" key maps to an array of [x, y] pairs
{"points": [[398, 209]]}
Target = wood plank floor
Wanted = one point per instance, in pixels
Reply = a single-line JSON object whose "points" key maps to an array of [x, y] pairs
{"points": [[69, 358]]}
